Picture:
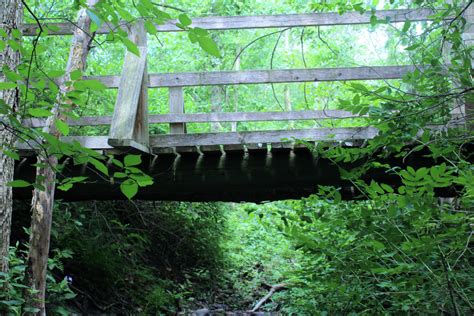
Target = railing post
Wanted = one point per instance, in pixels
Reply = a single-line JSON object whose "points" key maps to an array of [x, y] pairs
{"points": [[176, 99], [129, 126]]}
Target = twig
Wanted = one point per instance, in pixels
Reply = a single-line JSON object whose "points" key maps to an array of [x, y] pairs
{"points": [[305, 66], [275, 288], [168, 7], [450, 285], [271, 66], [255, 40]]}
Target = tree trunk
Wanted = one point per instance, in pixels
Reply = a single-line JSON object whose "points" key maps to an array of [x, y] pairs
{"points": [[42, 201], [216, 106], [11, 16], [236, 90], [286, 90]]}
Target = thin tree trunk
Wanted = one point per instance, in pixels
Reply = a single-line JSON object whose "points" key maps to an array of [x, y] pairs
{"points": [[286, 90], [11, 17], [236, 90], [216, 106], [42, 201]]}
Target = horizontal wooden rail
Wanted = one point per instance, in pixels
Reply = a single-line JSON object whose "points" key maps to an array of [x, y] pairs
{"points": [[209, 117], [263, 21], [186, 79], [233, 138], [263, 137]]}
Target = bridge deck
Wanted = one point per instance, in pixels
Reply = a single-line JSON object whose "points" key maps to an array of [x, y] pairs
{"points": [[253, 175]]}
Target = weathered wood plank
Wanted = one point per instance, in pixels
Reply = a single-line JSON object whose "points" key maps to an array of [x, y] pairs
{"points": [[211, 117], [176, 101], [129, 122], [244, 138], [266, 76], [278, 76], [262, 21], [91, 142], [251, 116], [140, 130], [231, 138]]}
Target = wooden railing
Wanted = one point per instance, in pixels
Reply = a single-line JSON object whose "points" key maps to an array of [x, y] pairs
{"points": [[129, 124], [262, 21]]}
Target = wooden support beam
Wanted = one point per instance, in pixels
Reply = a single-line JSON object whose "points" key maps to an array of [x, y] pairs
{"points": [[212, 117], [347, 134], [236, 138], [176, 100], [129, 126], [232, 138], [267, 76], [262, 21]]}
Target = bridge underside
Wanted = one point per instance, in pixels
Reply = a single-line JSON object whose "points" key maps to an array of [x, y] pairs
{"points": [[253, 176]]}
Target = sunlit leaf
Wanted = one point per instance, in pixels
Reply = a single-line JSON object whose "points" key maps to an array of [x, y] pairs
{"points": [[18, 184], [129, 188]]}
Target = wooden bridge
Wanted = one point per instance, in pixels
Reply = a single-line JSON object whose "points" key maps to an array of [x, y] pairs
{"points": [[229, 166]]}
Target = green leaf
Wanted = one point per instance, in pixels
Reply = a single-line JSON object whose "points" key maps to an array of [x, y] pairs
{"points": [[208, 45], [142, 180], [11, 154], [373, 20], [205, 41], [18, 184], [63, 127], [77, 179], [116, 162], [131, 47], [412, 47], [356, 99], [124, 14], [55, 73], [150, 27], [359, 87], [386, 187], [377, 245], [120, 175], [65, 187], [76, 74], [99, 166], [184, 19], [406, 26], [132, 160], [129, 188], [192, 36], [89, 84], [39, 112], [94, 17], [7, 85]]}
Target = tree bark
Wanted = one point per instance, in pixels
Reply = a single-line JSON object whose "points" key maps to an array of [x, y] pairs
{"points": [[43, 201], [216, 106], [286, 90], [11, 17], [236, 90], [275, 288]]}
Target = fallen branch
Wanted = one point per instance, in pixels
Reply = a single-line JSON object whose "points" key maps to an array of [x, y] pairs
{"points": [[275, 288]]}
